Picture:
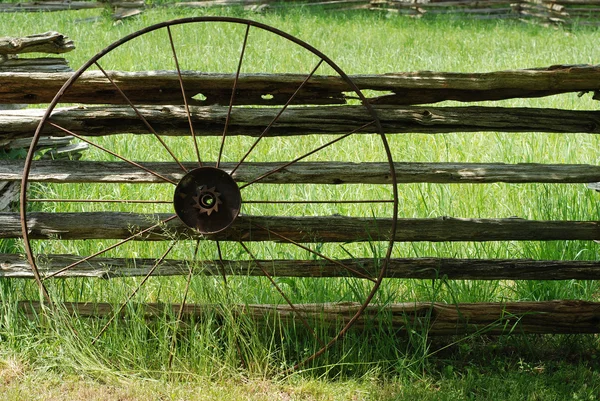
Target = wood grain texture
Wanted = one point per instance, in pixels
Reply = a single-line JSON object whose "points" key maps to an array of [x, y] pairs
{"points": [[67, 171], [551, 317], [335, 228], [16, 266], [209, 121], [49, 42], [402, 88], [46, 5], [43, 64]]}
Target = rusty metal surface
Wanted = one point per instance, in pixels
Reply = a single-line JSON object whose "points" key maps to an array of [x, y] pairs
{"points": [[207, 199]]}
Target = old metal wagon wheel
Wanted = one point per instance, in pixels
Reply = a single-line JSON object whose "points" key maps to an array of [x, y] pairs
{"points": [[201, 170]]}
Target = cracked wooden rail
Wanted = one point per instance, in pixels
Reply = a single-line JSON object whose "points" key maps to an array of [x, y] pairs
{"points": [[162, 87], [173, 120], [48, 42], [121, 225], [16, 266], [67, 171]]}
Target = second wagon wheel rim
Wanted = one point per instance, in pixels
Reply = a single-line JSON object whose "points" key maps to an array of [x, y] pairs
{"points": [[222, 169]]}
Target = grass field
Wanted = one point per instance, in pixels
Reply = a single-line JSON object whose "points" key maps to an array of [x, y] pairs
{"points": [[131, 360]]}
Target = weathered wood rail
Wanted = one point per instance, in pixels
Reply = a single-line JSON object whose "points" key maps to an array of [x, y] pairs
{"points": [[410, 88], [49, 5], [14, 266], [566, 317], [487, 9], [547, 12], [49, 42], [328, 120], [64, 171], [401, 102], [121, 8], [114, 225]]}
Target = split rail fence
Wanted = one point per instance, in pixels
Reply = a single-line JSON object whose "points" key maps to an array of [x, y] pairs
{"points": [[399, 112], [120, 8], [559, 12], [549, 12]]}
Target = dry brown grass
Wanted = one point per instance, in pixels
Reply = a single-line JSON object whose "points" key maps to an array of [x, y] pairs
{"points": [[19, 382]]}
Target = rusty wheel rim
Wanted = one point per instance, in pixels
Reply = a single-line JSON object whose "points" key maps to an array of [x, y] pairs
{"points": [[215, 198]]}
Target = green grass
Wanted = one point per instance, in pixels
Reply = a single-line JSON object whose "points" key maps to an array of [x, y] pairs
{"points": [[378, 365]]}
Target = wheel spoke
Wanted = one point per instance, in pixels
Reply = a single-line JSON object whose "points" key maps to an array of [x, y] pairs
{"points": [[132, 237], [113, 317], [285, 297], [266, 130], [222, 264], [146, 123], [296, 160], [150, 201], [110, 152], [308, 202], [233, 90], [319, 254], [185, 102]]}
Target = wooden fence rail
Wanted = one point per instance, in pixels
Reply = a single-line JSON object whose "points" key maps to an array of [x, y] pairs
{"points": [[550, 12], [162, 87], [172, 121], [115, 225], [121, 8], [62, 171], [15, 266]]}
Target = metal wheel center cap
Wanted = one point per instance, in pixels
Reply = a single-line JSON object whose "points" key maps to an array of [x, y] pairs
{"points": [[207, 199]]}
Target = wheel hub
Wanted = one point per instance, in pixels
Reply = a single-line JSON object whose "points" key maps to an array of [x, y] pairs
{"points": [[207, 199]]}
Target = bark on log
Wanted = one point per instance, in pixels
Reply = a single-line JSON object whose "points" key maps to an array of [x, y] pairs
{"points": [[37, 65], [308, 172], [43, 143], [9, 195], [570, 2], [124, 13], [337, 4], [405, 12], [16, 266], [473, 12], [543, 15], [107, 225], [172, 120], [126, 3], [49, 42], [451, 3], [43, 6], [551, 317], [550, 10], [162, 87], [219, 3]]}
